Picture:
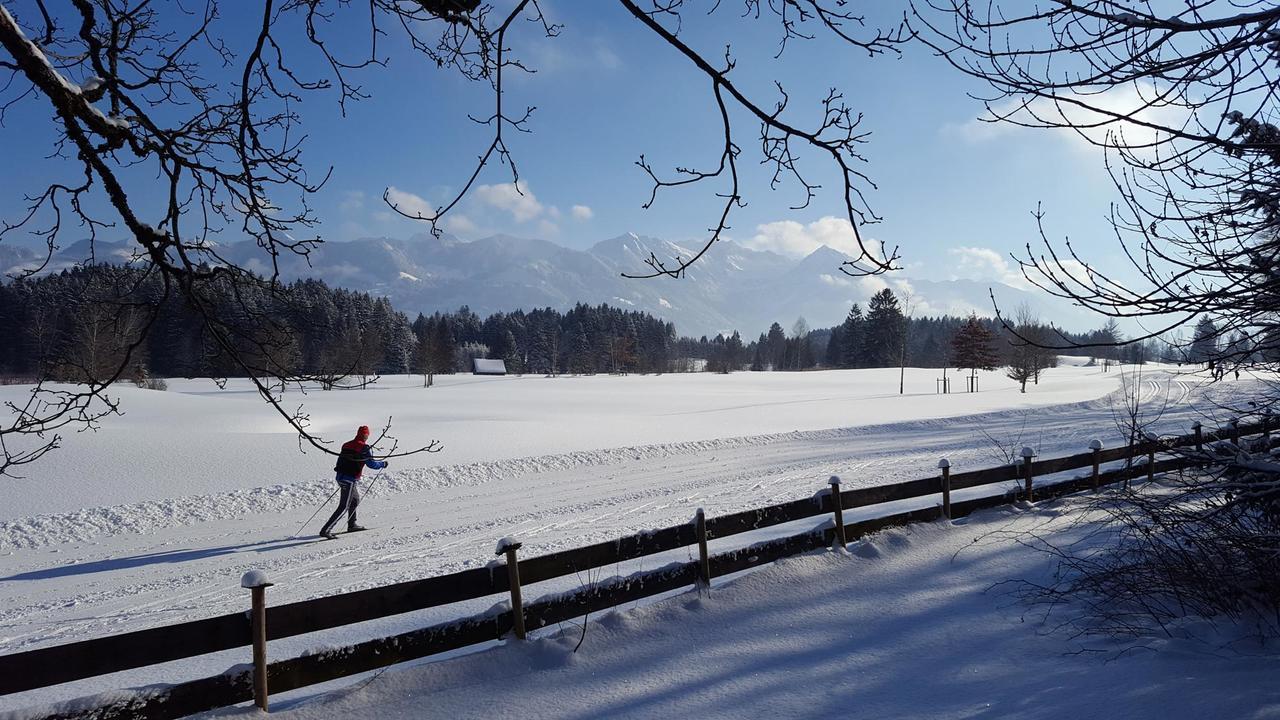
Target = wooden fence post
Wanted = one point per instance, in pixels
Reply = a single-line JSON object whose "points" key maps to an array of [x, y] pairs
{"points": [[1096, 446], [837, 509], [1235, 430], [1151, 458], [509, 546], [1027, 454], [945, 466], [704, 564], [1199, 431], [256, 582], [1266, 429]]}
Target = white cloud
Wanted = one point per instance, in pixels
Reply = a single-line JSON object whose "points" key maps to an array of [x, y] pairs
{"points": [[460, 224], [547, 229], [352, 201], [605, 57], [979, 263], [349, 230], [568, 56], [871, 284], [512, 198], [789, 237], [863, 287], [978, 131], [409, 203], [582, 212], [903, 289], [1097, 126]]}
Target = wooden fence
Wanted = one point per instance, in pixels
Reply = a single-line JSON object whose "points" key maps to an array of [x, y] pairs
{"points": [[114, 653]]}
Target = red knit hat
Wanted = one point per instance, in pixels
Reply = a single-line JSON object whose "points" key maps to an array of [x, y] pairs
{"points": [[363, 432]]}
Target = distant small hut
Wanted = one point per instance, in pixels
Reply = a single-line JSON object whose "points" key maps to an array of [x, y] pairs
{"points": [[485, 366]]}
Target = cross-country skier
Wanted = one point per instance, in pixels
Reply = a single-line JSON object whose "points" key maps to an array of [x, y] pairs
{"points": [[352, 461]]}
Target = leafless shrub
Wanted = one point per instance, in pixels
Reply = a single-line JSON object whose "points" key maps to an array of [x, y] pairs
{"points": [[1005, 446], [1203, 542]]}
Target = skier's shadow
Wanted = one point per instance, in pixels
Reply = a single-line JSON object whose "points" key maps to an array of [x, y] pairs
{"points": [[169, 556]]}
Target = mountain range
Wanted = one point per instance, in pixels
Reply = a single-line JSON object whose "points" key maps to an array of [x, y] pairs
{"points": [[732, 287]]}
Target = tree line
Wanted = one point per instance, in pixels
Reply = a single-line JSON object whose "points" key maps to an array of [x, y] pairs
{"points": [[84, 324], [584, 339], [887, 335], [79, 324]]}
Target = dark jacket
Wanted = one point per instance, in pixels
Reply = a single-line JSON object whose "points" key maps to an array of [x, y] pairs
{"points": [[353, 459]]}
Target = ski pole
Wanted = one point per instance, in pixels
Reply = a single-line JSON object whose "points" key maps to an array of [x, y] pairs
{"points": [[314, 514], [369, 490], [335, 492]]}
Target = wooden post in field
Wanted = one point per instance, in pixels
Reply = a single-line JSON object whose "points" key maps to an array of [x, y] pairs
{"points": [[837, 509], [256, 582], [945, 466], [1151, 458], [1235, 430], [1096, 446], [509, 546], [1266, 429], [1027, 454], [1199, 431], [704, 563]]}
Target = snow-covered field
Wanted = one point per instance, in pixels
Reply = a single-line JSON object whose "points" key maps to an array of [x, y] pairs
{"points": [[911, 623], [197, 438], [152, 519]]}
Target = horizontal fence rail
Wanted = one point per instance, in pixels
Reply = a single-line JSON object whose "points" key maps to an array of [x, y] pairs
{"points": [[75, 661]]}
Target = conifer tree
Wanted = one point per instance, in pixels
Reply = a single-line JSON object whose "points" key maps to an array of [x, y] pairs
{"points": [[852, 332], [832, 358], [1204, 343], [884, 327], [777, 347], [973, 348]]}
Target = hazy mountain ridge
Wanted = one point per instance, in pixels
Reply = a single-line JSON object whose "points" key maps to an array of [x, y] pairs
{"points": [[730, 288]]}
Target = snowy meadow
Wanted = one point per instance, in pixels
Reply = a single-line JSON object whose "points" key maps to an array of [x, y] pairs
{"points": [[152, 519]]}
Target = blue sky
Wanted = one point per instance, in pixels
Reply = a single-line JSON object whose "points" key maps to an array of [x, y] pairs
{"points": [[956, 195]]}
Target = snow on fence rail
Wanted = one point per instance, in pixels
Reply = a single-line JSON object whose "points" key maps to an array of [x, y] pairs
{"points": [[75, 661]]}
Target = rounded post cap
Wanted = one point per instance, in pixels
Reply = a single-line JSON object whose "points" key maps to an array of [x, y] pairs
{"points": [[506, 544], [255, 579], [1196, 425], [1027, 452], [944, 463], [1095, 444], [1234, 421], [833, 480]]}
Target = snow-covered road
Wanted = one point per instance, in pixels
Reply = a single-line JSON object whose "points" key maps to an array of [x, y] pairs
{"points": [[93, 569]]}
